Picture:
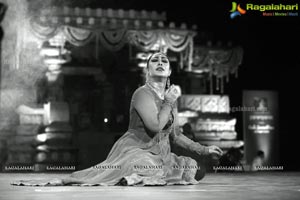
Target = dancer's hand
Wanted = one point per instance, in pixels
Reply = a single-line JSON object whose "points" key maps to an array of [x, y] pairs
{"points": [[172, 93], [215, 151]]}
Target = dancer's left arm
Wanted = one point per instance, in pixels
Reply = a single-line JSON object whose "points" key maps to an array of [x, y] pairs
{"points": [[183, 141]]}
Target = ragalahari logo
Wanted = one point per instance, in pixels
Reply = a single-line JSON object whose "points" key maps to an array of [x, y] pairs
{"points": [[236, 10]]}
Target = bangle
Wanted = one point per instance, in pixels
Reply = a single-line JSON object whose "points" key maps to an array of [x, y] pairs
{"points": [[206, 150]]}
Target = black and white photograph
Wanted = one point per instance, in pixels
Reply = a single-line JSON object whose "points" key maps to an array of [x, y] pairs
{"points": [[149, 99]]}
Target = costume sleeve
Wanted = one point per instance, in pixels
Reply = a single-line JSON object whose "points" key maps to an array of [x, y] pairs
{"points": [[153, 119], [183, 141]]}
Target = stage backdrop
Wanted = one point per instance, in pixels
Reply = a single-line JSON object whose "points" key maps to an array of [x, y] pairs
{"points": [[260, 121]]}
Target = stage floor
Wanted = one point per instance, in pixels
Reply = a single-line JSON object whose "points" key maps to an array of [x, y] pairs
{"points": [[258, 185]]}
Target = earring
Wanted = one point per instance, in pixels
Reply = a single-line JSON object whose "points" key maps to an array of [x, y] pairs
{"points": [[168, 82], [147, 77]]}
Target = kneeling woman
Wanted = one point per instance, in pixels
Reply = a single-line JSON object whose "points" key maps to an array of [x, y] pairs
{"points": [[142, 155]]}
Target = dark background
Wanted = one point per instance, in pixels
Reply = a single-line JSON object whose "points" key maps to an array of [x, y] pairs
{"points": [[271, 57]]}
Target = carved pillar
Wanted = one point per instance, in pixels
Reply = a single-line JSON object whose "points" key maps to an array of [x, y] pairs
{"points": [[21, 65]]}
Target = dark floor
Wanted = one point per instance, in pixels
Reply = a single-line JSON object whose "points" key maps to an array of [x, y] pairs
{"points": [[258, 185]]}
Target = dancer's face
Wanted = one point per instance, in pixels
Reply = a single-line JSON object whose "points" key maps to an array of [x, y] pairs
{"points": [[159, 65]]}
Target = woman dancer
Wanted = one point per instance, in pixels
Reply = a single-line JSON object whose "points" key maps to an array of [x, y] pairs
{"points": [[142, 155]]}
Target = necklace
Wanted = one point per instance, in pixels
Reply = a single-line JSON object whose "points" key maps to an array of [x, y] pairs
{"points": [[156, 90]]}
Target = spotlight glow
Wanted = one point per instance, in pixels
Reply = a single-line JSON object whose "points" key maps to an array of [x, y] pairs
{"points": [[41, 137], [142, 64]]}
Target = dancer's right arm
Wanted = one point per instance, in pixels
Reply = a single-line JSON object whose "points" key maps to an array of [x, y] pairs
{"points": [[154, 119]]}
